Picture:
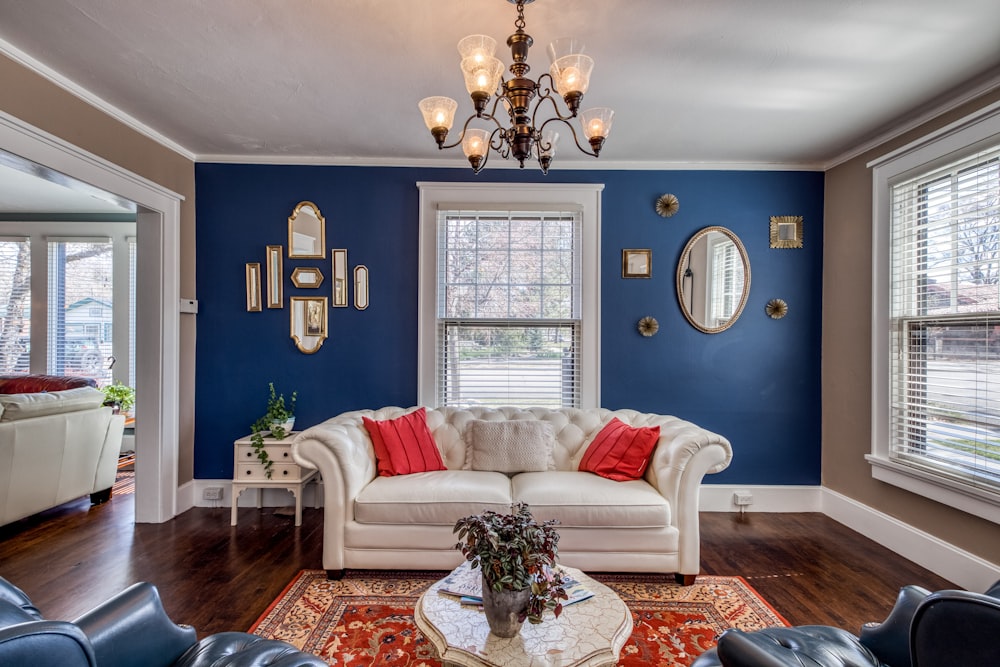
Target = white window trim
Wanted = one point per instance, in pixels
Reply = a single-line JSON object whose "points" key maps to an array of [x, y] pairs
{"points": [[921, 155], [583, 196]]}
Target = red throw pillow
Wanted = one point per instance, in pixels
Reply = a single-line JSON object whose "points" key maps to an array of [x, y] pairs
{"points": [[404, 445], [620, 452]]}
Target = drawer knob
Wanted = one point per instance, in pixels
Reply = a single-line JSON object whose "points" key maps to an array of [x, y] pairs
{"points": [[285, 455], [284, 472], [249, 454], [249, 472]]}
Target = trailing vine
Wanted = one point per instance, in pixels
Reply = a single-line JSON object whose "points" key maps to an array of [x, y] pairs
{"points": [[271, 423]]}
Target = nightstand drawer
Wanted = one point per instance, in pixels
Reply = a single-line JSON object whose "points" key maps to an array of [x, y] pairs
{"points": [[280, 472], [277, 453]]}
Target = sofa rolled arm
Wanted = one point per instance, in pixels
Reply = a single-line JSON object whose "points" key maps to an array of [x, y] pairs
{"points": [[45, 643], [813, 645], [132, 630], [890, 639]]}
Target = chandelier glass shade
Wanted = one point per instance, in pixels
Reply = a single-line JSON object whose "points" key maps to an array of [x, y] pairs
{"points": [[525, 131]]}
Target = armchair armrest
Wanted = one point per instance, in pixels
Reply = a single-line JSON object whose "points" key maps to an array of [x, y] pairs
{"points": [[45, 643], [890, 639], [133, 630]]}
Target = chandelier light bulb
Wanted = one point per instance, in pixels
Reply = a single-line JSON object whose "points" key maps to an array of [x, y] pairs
{"points": [[475, 143], [596, 122], [438, 112], [482, 76], [572, 73]]}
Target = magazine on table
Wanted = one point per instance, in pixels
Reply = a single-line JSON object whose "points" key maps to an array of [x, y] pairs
{"points": [[467, 584]]}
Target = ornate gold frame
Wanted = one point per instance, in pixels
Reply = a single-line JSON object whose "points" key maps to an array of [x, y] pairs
{"points": [[340, 287], [786, 231], [299, 277], [253, 287], [308, 322], [628, 254], [275, 294], [298, 223], [360, 286], [684, 274]]}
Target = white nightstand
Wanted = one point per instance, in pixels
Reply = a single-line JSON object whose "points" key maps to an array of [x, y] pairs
{"points": [[248, 472]]}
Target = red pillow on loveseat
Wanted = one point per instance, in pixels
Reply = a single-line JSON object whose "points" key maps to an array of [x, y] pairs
{"points": [[404, 445], [620, 452]]}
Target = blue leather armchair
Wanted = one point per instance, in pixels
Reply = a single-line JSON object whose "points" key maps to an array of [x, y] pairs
{"points": [[129, 630], [924, 629]]}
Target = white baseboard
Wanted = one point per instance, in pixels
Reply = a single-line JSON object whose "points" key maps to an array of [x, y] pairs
{"points": [[312, 496], [719, 498], [965, 569]]}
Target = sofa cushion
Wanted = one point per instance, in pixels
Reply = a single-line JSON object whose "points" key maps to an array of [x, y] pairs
{"points": [[587, 500], [26, 406], [620, 452], [509, 446], [404, 445], [438, 498]]}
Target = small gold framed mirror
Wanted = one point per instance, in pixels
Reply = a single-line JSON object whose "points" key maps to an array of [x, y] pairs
{"points": [[786, 231], [274, 271], [307, 276], [360, 286], [306, 232], [308, 322], [253, 287], [340, 285]]}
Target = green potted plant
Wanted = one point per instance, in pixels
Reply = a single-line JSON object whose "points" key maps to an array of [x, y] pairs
{"points": [[119, 396], [517, 556], [277, 423]]}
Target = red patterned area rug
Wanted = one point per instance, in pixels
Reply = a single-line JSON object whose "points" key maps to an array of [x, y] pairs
{"points": [[367, 617]]}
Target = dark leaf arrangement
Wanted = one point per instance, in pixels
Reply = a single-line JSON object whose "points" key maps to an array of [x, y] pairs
{"points": [[515, 552]]}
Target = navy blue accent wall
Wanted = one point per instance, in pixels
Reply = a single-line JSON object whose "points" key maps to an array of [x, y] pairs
{"points": [[757, 383]]}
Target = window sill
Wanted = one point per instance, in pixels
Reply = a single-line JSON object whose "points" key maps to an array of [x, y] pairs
{"points": [[984, 504]]}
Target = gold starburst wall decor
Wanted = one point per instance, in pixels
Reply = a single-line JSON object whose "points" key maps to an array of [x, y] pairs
{"points": [[648, 326], [776, 309], [667, 205]]}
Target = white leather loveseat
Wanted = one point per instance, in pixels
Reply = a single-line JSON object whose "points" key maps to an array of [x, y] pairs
{"points": [[55, 446], [405, 521]]}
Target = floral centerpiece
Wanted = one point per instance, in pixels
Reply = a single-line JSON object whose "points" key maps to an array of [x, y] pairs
{"points": [[517, 556]]}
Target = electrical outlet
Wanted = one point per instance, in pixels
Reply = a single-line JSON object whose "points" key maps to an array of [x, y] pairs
{"points": [[212, 493], [742, 498]]}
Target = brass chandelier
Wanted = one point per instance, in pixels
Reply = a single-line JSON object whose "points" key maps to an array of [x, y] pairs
{"points": [[523, 138]]}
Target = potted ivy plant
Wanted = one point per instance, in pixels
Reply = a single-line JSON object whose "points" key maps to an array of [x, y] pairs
{"points": [[517, 556], [119, 396], [276, 423]]}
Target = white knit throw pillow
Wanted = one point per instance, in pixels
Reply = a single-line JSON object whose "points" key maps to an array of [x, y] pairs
{"points": [[509, 446]]}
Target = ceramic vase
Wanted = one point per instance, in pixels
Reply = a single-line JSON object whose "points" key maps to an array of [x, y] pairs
{"points": [[503, 609]]}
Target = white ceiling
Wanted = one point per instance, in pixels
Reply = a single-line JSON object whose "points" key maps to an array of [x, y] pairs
{"points": [[728, 83]]}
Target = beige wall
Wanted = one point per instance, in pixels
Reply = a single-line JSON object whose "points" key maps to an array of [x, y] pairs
{"points": [[35, 100], [846, 364]]}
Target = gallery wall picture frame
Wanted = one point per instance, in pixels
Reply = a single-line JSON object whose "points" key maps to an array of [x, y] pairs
{"points": [[361, 287], [637, 263], [340, 286], [307, 276], [306, 232], [275, 293], [253, 287], [308, 322], [786, 231]]}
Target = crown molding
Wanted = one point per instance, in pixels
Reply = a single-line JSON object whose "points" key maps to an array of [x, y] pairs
{"points": [[46, 72]]}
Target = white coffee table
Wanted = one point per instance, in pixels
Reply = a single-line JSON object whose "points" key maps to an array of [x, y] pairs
{"points": [[591, 632]]}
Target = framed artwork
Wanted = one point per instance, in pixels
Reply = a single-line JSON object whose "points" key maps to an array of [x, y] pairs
{"points": [[340, 285], [307, 276], [360, 286], [274, 269], [253, 287], [308, 322], [637, 263], [786, 231]]}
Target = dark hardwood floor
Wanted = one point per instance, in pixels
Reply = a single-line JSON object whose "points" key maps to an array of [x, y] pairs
{"points": [[216, 577]]}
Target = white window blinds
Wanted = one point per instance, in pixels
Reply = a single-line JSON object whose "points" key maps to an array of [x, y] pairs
{"points": [[509, 307], [945, 320], [80, 303], [15, 305]]}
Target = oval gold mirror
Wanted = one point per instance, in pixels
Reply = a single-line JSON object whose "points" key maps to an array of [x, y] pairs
{"points": [[713, 279], [307, 232]]}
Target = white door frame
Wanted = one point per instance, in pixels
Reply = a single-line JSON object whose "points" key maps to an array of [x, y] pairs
{"points": [[157, 311]]}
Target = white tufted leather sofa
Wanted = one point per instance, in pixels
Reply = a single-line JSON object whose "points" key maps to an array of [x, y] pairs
{"points": [[406, 521]]}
